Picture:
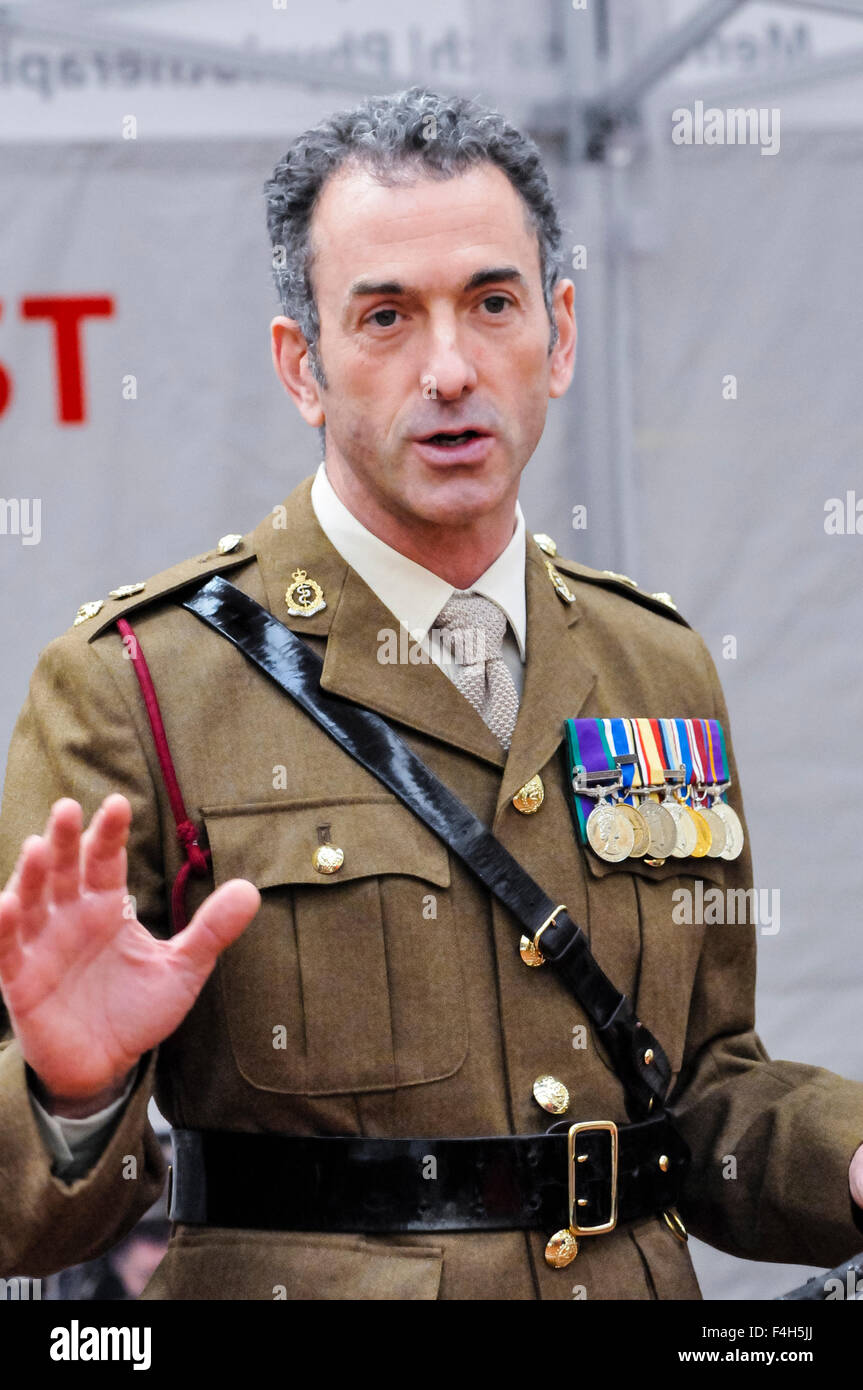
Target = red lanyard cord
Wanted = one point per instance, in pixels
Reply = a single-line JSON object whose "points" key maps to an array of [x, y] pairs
{"points": [[197, 859]]}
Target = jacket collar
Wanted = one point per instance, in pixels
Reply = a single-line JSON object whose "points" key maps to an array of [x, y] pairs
{"points": [[417, 694]]}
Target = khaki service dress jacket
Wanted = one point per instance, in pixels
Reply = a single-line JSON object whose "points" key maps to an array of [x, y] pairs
{"points": [[396, 984]]}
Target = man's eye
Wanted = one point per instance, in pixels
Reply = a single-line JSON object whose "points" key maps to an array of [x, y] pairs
{"points": [[496, 303], [384, 318]]}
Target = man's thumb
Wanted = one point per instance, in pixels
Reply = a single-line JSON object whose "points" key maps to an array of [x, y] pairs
{"points": [[218, 922]]}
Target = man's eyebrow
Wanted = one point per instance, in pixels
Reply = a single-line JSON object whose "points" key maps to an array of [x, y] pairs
{"points": [[361, 287], [480, 277], [495, 273]]}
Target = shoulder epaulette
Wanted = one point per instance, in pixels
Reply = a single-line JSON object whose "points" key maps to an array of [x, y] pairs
{"points": [[610, 579], [230, 553]]}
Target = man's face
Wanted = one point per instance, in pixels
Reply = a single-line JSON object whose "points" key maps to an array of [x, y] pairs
{"points": [[432, 320]]}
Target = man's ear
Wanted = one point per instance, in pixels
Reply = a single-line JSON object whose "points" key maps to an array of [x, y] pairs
{"points": [[563, 352], [291, 361]]}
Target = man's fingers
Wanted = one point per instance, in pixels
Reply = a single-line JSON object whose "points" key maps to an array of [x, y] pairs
{"points": [[855, 1176], [103, 848], [10, 949], [219, 921], [31, 887], [63, 834]]}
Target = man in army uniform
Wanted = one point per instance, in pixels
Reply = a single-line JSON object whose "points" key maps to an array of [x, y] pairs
{"points": [[344, 973]]}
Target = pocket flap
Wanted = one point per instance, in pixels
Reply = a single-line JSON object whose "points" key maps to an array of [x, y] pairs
{"points": [[346, 981], [714, 870], [272, 843]]}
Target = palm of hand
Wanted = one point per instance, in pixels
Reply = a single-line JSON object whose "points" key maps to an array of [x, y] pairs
{"points": [[88, 988]]}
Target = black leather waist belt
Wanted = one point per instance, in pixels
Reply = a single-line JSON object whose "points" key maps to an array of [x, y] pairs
{"points": [[586, 1177]]}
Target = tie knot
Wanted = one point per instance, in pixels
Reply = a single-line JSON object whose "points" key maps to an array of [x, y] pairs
{"points": [[475, 628]]}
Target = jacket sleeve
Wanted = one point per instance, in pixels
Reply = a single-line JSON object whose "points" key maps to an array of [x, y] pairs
{"points": [[76, 1144], [771, 1140], [76, 736]]}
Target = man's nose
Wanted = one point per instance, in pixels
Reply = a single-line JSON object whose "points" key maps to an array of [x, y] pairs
{"points": [[447, 368]]}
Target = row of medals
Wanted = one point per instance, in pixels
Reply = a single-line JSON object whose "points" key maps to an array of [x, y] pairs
{"points": [[658, 829]]}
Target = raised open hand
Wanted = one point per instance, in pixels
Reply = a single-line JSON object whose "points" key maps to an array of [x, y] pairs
{"points": [[88, 988]]}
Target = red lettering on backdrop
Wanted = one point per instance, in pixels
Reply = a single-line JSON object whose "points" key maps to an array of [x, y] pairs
{"points": [[66, 312], [5, 379]]}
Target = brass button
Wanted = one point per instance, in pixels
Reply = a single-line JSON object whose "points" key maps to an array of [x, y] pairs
{"points": [[529, 953], [663, 1163], [227, 544], [649, 1056], [551, 1094], [624, 579], [127, 590], [545, 543], [530, 797], [88, 610], [328, 859], [561, 1250]]}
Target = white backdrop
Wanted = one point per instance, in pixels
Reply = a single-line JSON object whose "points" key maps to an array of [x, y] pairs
{"points": [[747, 265]]}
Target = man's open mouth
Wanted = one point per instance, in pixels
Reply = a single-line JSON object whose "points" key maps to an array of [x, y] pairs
{"points": [[449, 440]]}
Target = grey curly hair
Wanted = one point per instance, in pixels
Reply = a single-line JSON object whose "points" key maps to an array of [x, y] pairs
{"points": [[415, 132]]}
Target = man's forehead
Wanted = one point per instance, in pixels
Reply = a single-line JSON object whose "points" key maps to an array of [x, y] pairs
{"points": [[362, 225]]}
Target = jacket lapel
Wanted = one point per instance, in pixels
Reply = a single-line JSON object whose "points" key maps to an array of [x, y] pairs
{"points": [[358, 661], [557, 677]]}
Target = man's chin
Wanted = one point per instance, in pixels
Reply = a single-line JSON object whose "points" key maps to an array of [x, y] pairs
{"points": [[455, 498]]}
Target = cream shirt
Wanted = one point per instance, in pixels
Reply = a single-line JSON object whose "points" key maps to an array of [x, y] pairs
{"points": [[415, 595]]}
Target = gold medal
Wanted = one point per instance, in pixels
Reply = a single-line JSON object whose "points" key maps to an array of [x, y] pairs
{"points": [[639, 828], [702, 831], [304, 596]]}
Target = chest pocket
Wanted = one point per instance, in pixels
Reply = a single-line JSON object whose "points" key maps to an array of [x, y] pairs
{"points": [[668, 903], [349, 981]]}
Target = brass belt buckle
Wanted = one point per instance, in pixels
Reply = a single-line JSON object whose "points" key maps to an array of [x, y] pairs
{"points": [[562, 1248]]}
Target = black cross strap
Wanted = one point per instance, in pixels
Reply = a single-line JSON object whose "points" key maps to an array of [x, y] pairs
{"points": [[638, 1059]]}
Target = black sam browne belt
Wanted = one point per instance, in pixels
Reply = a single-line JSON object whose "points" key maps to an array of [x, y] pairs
{"points": [[583, 1177], [639, 1060]]}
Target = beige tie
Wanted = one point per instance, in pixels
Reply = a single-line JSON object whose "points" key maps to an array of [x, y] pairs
{"points": [[471, 630]]}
